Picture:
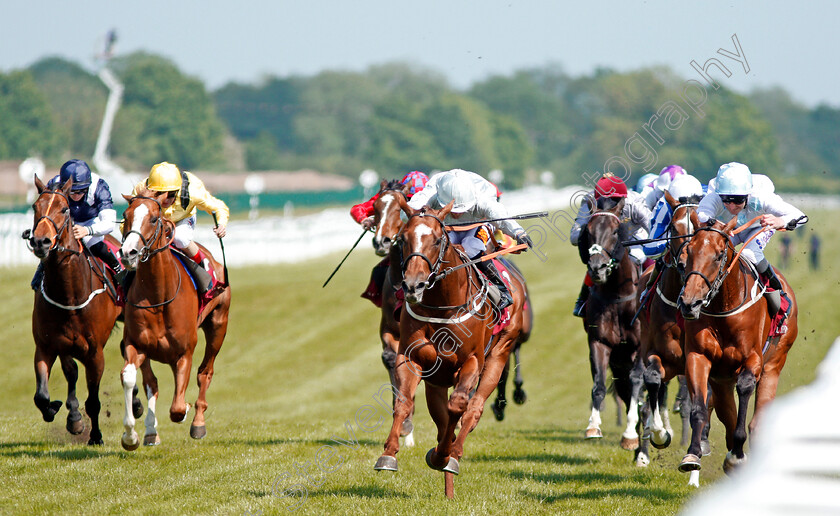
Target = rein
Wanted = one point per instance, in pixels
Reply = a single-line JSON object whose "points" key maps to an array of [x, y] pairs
{"points": [[596, 249]]}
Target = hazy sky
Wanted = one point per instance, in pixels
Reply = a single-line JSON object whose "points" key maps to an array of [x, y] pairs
{"points": [[790, 44]]}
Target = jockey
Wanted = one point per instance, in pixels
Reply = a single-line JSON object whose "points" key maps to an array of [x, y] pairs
{"points": [[186, 193], [474, 199], [363, 212], [736, 194], [653, 192], [686, 189], [92, 211], [646, 181], [635, 211]]}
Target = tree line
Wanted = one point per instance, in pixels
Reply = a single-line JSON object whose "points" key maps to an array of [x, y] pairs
{"points": [[398, 117]]}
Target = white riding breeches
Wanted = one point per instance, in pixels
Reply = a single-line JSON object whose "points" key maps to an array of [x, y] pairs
{"points": [[753, 251], [184, 232]]}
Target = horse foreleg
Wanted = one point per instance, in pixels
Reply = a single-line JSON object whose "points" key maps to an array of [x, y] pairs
{"points": [[150, 384], [43, 365], [93, 377], [75, 424], [390, 345], [130, 441], [599, 356], [635, 383], [407, 382], [465, 380], [697, 368], [180, 408], [659, 435]]}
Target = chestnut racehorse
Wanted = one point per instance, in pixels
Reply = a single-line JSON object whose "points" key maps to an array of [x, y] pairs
{"points": [[74, 311], [446, 339], [162, 317], [727, 325], [612, 334]]}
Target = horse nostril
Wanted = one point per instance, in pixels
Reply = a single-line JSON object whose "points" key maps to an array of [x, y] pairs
{"points": [[421, 285], [386, 241]]}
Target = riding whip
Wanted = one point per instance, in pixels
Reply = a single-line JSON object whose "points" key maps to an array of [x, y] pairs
{"points": [[514, 217], [345, 257], [222, 244]]}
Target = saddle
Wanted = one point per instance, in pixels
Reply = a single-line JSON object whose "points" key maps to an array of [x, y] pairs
{"points": [[205, 286]]}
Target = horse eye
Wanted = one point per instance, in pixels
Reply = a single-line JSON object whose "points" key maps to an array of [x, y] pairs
{"points": [[65, 209], [154, 220]]}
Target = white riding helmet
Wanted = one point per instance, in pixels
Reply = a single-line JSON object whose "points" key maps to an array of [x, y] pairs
{"points": [[733, 179], [685, 187], [457, 186], [645, 181]]}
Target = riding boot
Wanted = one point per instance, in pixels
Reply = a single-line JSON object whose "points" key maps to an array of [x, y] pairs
{"points": [[657, 268], [577, 311], [38, 278], [101, 251], [773, 296], [205, 275], [489, 270]]}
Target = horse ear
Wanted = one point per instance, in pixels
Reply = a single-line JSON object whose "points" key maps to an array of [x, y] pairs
{"points": [[406, 190], [67, 186], [405, 207], [127, 197], [446, 209], [383, 184], [730, 225], [39, 185], [673, 202], [619, 207], [695, 221]]}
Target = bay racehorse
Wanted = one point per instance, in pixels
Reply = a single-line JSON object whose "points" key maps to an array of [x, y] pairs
{"points": [[75, 310], [612, 333], [727, 325], [447, 339], [162, 317]]}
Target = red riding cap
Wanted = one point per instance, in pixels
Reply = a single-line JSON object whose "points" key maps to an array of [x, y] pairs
{"points": [[610, 186]]}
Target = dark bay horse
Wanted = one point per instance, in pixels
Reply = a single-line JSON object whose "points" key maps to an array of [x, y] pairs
{"points": [[162, 318], [446, 339], [613, 338], [727, 325], [74, 310]]}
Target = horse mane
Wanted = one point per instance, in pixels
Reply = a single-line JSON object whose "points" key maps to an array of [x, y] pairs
{"points": [[607, 203], [393, 184]]}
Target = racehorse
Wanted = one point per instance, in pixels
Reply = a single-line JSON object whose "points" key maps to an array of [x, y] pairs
{"points": [[162, 317], [446, 339], [661, 331], [71, 319], [727, 323], [613, 338], [388, 224]]}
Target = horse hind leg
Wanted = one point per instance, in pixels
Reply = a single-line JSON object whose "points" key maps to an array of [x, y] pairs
{"points": [[499, 405], [519, 395], [43, 364], [150, 384], [75, 422], [745, 388], [93, 377]]}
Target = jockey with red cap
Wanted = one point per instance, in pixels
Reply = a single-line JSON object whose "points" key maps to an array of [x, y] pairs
{"points": [[363, 212], [635, 211]]}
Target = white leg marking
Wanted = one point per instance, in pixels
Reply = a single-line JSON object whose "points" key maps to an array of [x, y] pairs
{"points": [[632, 419], [129, 380], [694, 478], [595, 419], [409, 440], [151, 415]]}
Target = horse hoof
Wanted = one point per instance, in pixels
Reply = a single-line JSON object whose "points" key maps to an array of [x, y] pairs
{"points": [[498, 411], [730, 462], [52, 410], [519, 396], [198, 432], [130, 446], [386, 463], [663, 445], [76, 427], [705, 448], [151, 440], [690, 462], [452, 466], [137, 408], [642, 461], [629, 444], [593, 433], [406, 428], [95, 442]]}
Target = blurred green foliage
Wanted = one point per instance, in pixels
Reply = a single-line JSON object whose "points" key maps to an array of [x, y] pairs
{"points": [[398, 117]]}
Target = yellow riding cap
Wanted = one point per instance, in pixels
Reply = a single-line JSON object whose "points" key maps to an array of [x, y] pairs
{"points": [[164, 177]]}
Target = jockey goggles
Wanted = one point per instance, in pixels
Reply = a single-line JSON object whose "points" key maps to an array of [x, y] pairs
{"points": [[733, 199]]}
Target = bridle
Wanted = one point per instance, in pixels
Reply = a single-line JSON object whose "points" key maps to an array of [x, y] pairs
{"points": [[146, 251], [617, 252], [715, 284], [675, 255], [442, 243], [399, 191], [59, 231]]}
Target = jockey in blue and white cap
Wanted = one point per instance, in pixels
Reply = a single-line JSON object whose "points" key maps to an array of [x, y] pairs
{"points": [[737, 195], [92, 211], [475, 199], [687, 190]]}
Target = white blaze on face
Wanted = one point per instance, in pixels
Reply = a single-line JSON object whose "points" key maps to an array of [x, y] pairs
{"points": [[419, 233], [132, 241], [389, 200]]}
